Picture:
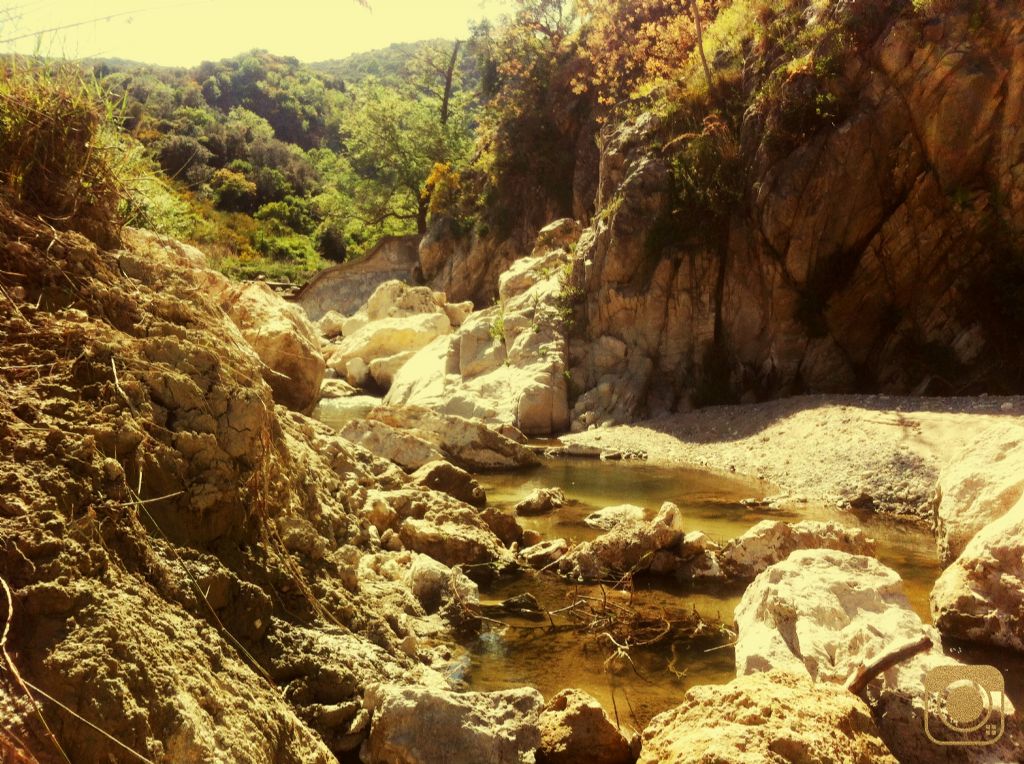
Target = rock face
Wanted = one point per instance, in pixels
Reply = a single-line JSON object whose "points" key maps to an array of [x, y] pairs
{"points": [[978, 486], [833, 276], [413, 725], [505, 364], [575, 729], [344, 288], [980, 597], [775, 717], [283, 338], [821, 614]]}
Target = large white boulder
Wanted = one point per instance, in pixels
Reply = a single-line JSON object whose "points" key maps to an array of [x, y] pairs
{"points": [[399, 446], [396, 299], [283, 337], [469, 444], [978, 486], [418, 725], [383, 370], [388, 337], [822, 614], [980, 597]]}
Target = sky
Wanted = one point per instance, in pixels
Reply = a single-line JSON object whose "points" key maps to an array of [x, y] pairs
{"points": [[186, 32]]}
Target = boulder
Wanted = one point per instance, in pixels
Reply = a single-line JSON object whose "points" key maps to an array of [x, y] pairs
{"points": [[458, 312], [771, 541], [331, 325], [541, 500], [336, 388], [418, 725], [980, 597], [609, 517], [399, 446], [574, 729], [628, 547], [357, 372], [354, 323], [337, 412], [396, 299], [506, 364], [699, 557], [456, 537], [822, 614], [545, 553], [504, 525], [284, 339], [389, 337], [770, 717], [446, 477], [978, 486], [434, 584], [471, 445], [383, 370]]}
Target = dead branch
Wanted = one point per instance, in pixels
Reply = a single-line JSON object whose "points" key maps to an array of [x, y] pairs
{"points": [[885, 661]]}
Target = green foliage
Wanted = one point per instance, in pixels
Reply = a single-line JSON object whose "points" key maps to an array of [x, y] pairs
{"points": [[708, 169], [233, 191]]}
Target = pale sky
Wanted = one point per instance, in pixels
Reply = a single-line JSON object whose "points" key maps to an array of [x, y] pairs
{"points": [[185, 32]]}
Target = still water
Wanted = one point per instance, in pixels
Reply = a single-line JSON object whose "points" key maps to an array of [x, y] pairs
{"points": [[505, 658]]}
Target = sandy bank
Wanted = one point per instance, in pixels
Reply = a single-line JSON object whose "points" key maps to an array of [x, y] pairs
{"points": [[860, 450]]}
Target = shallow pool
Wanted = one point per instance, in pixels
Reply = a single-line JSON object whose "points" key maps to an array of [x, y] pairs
{"points": [[504, 658]]}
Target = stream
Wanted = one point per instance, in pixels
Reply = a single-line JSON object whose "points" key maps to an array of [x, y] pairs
{"points": [[504, 658]]}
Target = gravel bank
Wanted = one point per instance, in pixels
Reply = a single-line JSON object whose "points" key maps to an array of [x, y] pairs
{"points": [[880, 452]]}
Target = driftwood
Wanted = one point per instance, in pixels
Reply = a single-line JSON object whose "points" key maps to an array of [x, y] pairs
{"points": [[863, 675]]}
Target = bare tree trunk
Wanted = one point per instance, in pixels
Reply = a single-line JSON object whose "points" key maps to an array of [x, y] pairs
{"points": [[700, 47], [449, 80], [421, 213]]}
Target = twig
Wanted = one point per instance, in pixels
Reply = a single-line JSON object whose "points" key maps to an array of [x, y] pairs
{"points": [[117, 385], [865, 673]]}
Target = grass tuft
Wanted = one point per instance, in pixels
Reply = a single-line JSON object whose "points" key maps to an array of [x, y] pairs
{"points": [[56, 147]]}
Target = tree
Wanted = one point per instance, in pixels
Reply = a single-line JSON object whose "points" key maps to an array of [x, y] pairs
{"points": [[393, 143], [630, 43], [435, 71]]}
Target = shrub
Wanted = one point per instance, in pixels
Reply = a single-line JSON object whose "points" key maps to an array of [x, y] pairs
{"points": [[233, 191], [55, 147]]}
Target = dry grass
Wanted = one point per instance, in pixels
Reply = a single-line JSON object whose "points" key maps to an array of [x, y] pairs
{"points": [[55, 160]]}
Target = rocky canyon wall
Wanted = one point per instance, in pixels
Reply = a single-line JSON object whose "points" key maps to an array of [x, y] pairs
{"points": [[884, 254]]}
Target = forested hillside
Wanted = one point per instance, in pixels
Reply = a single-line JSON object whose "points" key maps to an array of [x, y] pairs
{"points": [[274, 166]]}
